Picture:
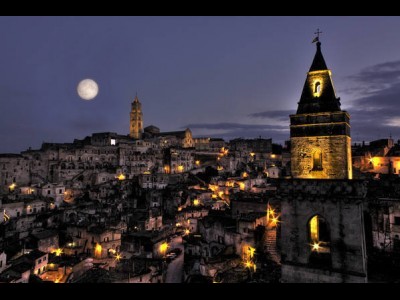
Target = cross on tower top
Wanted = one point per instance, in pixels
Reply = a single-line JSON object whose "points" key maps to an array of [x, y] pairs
{"points": [[317, 33]]}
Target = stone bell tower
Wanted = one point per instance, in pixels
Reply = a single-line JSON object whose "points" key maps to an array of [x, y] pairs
{"points": [[136, 119], [320, 130]]}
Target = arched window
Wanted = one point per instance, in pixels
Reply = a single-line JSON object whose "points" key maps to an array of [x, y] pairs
{"points": [[317, 88], [317, 160], [319, 241]]}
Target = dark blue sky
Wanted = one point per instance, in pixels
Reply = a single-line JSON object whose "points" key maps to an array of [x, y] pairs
{"points": [[221, 76]]}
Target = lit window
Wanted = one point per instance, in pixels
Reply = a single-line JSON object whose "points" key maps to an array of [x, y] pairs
{"points": [[317, 160], [319, 236], [317, 89], [113, 142]]}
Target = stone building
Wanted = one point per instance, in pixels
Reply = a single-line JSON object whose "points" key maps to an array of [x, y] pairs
{"points": [[380, 156], [322, 232], [320, 130], [136, 120]]}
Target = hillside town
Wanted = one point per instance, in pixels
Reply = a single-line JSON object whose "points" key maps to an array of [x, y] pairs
{"points": [[167, 207]]}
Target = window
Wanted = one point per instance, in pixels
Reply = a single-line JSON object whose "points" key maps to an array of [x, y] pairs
{"points": [[1, 263], [60, 191], [48, 192], [317, 89], [396, 220], [39, 261], [319, 242], [317, 160], [44, 258]]}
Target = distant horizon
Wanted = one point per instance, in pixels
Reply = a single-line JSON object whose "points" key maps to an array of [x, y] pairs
{"points": [[282, 143]]}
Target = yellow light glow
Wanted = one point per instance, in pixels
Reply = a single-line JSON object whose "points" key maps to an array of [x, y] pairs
{"points": [[273, 155], [252, 154], [316, 247], [251, 251], [12, 186], [250, 265], [196, 202], [146, 172], [57, 280], [220, 168], [271, 212], [188, 221], [314, 229], [117, 257], [245, 175], [180, 168], [197, 163], [242, 186], [187, 231], [214, 196], [121, 177], [220, 193], [98, 250], [274, 221], [58, 252], [167, 169], [179, 208], [163, 248], [178, 224]]}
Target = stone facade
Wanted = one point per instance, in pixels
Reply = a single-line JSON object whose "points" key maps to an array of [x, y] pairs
{"points": [[335, 152], [136, 120], [340, 204]]}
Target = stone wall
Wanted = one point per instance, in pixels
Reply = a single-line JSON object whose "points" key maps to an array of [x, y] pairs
{"points": [[340, 203], [336, 157]]}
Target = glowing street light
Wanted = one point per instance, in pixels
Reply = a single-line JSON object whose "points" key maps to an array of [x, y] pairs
{"points": [[163, 248], [196, 202], [316, 246], [12, 186], [117, 257], [58, 252], [121, 177]]}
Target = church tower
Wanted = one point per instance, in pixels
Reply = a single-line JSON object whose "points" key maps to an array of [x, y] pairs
{"points": [[320, 130], [136, 119]]}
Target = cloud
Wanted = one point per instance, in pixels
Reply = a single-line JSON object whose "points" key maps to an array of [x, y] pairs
{"points": [[375, 110], [279, 115], [228, 131], [234, 126]]}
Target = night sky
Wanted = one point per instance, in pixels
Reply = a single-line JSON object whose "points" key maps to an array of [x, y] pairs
{"points": [[220, 76]]}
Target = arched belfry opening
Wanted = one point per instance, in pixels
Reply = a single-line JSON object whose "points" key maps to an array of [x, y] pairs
{"points": [[317, 160], [319, 241], [317, 89]]}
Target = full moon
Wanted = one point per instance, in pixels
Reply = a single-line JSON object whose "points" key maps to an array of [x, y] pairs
{"points": [[87, 89]]}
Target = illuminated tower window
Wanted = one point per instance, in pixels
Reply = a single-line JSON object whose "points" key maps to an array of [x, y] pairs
{"points": [[317, 89], [317, 160], [319, 236]]}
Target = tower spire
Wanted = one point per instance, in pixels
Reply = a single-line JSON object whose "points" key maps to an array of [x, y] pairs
{"points": [[136, 100], [136, 119]]}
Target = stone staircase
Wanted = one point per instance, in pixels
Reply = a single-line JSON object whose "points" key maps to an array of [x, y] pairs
{"points": [[270, 245]]}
